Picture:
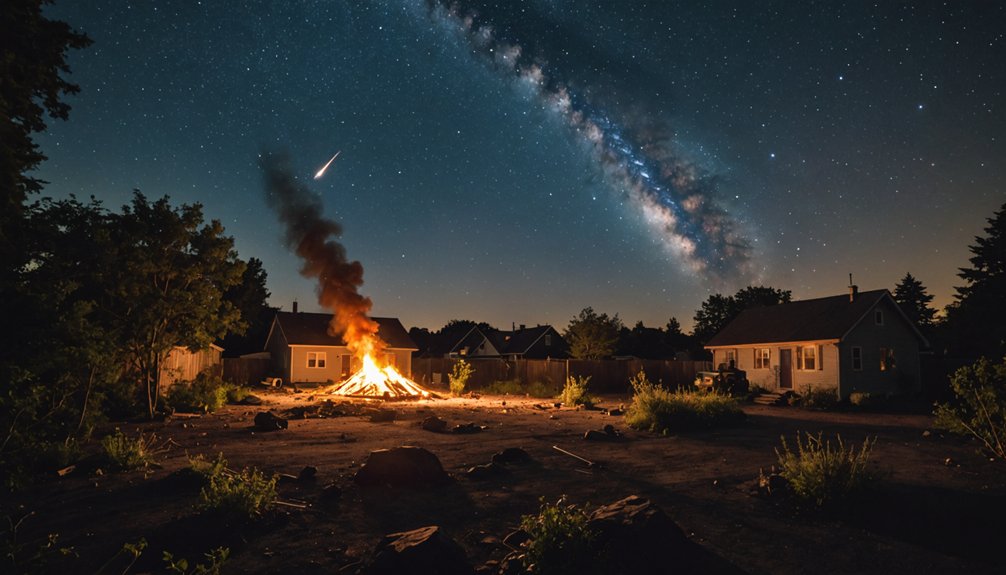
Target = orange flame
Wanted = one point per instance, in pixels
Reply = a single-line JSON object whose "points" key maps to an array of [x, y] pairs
{"points": [[373, 381]]}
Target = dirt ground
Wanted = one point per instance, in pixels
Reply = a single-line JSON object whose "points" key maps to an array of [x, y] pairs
{"points": [[927, 515]]}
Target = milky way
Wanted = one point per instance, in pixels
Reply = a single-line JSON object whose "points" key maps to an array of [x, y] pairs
{"points": [[676, 197]]}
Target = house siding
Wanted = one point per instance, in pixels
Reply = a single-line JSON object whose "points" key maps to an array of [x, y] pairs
{"points": [[826, 377], [280, 353], [895, 333], [401, 359]]}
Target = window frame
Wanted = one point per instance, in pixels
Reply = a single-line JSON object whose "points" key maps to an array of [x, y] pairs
{"points": [[320, 359], [801, 357], [762, 360], [878, 317], [856, 356], [887, 359]]}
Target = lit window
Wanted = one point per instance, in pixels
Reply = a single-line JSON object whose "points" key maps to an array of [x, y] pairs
{"points": [[761, 358], [878, 317], [806, 357], [886, 359], [316, 359], [731, 357], [857, 358]]}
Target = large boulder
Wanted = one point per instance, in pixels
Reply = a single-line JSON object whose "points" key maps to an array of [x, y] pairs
{"points": [[269, 421], [402, 466], [423, 550], [635, 536]]}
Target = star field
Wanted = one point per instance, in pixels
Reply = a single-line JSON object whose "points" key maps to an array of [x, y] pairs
{"points": [[832, 138]]}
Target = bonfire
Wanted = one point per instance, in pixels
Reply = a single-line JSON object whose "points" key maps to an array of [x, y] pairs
{"points": [[374, 382]]}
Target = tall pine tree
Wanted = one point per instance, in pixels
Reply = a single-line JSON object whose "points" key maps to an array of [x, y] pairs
{"points": [[978, 316], [914, 301]]}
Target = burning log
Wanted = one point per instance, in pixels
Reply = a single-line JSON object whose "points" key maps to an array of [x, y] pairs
{"points": [[374, 382]]}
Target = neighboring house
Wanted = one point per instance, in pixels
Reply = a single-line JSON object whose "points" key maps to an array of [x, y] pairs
{"points": [[855, 342], [538, 342], [303, 351], [183, 364]]}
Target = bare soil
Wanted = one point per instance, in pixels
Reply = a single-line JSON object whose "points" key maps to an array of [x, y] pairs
{"points": [[939, 508]]}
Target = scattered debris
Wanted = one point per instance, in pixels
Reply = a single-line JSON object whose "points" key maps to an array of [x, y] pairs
{"points": [[250, 400], [66, 470], [640, 537], [383, 415], [468, 428], [183, 415], [609, 433], [926, 433], [487, 471], [423, 550], [512, 455], [268, 421], [434, 424], [516, 539], [590, 464], [402, 466], [616, 411]]}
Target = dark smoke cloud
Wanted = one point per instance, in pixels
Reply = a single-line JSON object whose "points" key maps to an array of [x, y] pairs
{"points": [[312, 237]]}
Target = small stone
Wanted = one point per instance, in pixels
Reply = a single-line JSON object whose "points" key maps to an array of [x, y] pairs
{"points": [[487, 471], [434, 424], [467, 428], [595, 435], [268, 421], [309, 473], [383, 415], [511, 455], [926, 433]]}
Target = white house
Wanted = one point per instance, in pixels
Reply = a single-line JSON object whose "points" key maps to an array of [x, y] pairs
{"points": [[855, 342], [303, 351]]}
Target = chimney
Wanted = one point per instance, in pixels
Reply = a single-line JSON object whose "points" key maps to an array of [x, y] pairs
{"points": [[294, 306], [853, 290], [523, 327]]}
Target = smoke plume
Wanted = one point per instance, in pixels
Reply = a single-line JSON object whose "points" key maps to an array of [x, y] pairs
{"points": [[312, 237]]}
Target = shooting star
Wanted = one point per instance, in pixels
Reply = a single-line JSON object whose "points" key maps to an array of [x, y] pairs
{"points": [[321, 172]]}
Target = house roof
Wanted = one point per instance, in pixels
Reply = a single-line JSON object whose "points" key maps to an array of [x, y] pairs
{"points": [[521, 340], [312, 329], [806, 320]]}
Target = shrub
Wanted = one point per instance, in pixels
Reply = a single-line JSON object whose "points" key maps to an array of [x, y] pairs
{"points": [[243, 494], [236, 393], [575, 392], [560, 539], [515, 387], [661, 410], [866, 400], [126, 453], [824, 399], [823, 473], [979, 406], [206, 393], [459, 376]]}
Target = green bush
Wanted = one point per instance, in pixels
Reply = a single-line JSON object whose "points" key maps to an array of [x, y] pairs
{"points": [[560, 540], [236, 393], [575, 392], [459, 376], [216, 558], [244, 494], [206, 393], [824, 473], [824, 399], [979, 406], [661, 410], [539, 389], [127, 453]]}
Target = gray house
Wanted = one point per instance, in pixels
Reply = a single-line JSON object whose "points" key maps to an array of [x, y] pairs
{"points": [[855, 342], [303, 351]]}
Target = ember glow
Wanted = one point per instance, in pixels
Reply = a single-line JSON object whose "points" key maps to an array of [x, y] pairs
{"points": [[374, 381]]}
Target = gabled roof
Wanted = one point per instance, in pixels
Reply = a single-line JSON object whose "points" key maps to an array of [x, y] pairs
{"points": [[827, 318], [521, 340], [312, 329]]}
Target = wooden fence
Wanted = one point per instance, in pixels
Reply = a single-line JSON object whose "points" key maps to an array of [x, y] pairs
{"points": [[606, 376], [246, 371]]}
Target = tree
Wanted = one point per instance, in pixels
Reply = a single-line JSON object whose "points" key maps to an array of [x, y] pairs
{"points": [[914, 301], [592, 336], [32, 63], [719, 310], [644, 342], [978, 316], [249, 296]]}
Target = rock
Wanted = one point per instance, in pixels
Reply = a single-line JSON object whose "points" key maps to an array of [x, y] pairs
{"points": [[615, 412], [467, 428], [610, 430], [487, 471], [251, 400], [268, 421], [383, 415], [595, 435], [926, 433], [402, 466], [638, 536], [434, 424], [423, 550], [512, 455], [516, 539], [309, 473]]}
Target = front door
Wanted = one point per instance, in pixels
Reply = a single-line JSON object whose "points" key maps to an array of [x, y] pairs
{"points": [[786, 368]]}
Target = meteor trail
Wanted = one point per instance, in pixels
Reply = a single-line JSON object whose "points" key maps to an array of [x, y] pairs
{"points": [[321, 172]]}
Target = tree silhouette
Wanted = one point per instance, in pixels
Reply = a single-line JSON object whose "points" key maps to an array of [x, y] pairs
{"points": [[977, 318], [914, 301]]}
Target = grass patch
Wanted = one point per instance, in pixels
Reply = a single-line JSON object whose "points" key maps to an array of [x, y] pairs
{"points": [[127, 453], [244, 494], [661, 410], [575, 392], [561, 541], [823, 472], [537, 389]]}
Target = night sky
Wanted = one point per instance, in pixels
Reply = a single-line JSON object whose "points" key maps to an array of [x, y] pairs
{"points": [[516, 163]]}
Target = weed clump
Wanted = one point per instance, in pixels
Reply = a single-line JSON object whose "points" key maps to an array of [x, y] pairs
{"points": [[244, 494], [459, 376], [575, 392], [824, 473], [560, 539], [661, 410], [126, 453]]}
